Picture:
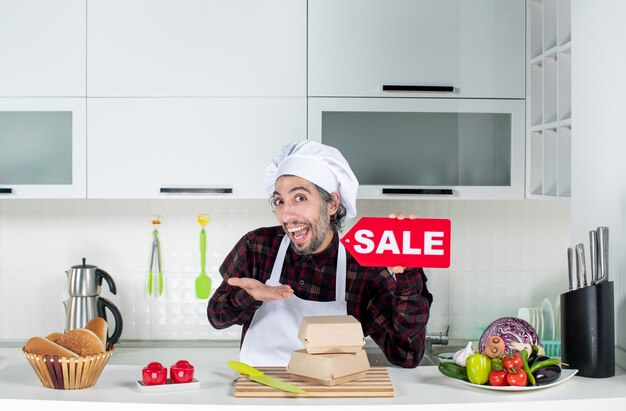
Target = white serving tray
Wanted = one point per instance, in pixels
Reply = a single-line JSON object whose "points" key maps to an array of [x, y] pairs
{"points": [[169, 386]]}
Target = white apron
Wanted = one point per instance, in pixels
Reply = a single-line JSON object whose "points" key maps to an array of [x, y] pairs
{"points": [[273, 332]]}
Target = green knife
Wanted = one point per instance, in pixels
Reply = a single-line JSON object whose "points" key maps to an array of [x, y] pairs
{"points": [[258, 376]]}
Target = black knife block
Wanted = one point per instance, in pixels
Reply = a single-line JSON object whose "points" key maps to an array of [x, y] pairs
{"points": [[588, 330]]}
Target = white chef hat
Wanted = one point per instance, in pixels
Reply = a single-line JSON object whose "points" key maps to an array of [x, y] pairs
{"points": [[320, 164]]}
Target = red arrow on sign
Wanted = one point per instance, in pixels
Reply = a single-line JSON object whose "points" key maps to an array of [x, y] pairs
{"points": [[388, 242]]}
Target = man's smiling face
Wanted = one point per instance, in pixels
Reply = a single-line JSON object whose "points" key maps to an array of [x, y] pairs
{"points": [[303, 214]]}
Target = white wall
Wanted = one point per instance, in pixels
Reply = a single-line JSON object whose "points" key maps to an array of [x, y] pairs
{"points": [[599, 137], [505, 255]]}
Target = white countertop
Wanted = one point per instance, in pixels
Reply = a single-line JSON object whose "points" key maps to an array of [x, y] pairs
{"points": [[422, 386]]}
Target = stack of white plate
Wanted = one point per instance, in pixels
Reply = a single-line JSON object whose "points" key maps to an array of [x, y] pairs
{"points": [[541, 319]]}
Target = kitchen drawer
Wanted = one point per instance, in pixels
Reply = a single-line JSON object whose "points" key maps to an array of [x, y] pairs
{"points": [[476, 48], [187, 148]]}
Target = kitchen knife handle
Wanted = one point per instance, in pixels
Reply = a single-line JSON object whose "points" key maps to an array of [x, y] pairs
{"points": [[570, 267], [580, 264], [593, 255], [4, 190], [603, 254], [405, 87], [245, 369]]}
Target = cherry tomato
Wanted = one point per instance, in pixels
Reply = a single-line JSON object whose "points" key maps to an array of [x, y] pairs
{"points": [[518, 379], [498, 378], [513, 363]]}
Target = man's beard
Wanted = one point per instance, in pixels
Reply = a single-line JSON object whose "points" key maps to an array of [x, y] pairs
{"points": [[319, 230]]}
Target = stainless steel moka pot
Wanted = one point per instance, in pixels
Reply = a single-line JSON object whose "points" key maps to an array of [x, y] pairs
{"points": [[85, 303]]}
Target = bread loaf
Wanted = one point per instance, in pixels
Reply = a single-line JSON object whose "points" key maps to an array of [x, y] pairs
{"points": [[54, 336], [43, 346], [98, 326], [82, 341]]}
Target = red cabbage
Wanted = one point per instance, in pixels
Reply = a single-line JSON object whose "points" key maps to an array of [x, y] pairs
{"points": [[513, 331]]}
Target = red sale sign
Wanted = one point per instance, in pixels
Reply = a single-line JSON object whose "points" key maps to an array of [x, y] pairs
{"points": [[388, 242]]}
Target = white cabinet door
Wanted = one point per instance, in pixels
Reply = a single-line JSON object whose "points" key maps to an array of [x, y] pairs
{"points": [[197, 48], [42, 48], [42, 148], [182, 148], [475, 47], [417, 148]]}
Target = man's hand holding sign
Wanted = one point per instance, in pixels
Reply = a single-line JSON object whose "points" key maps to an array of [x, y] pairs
{"points": [[400, 242]]}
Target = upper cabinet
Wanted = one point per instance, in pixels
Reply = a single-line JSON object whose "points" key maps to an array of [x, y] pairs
{"points": [[42, 148], [154, 98], [417, 48], [42, 98], [417, 148], [191, 48], [187, 147], [42, 48], [192, 98]]}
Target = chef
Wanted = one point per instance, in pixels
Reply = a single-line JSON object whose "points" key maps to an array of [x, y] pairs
{"points": [[274, 276]]}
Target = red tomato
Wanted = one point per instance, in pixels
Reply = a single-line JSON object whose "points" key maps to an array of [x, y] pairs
{"points": [[498, 378], [518, 379], [154, 374], [513, 363], [181, 372]]}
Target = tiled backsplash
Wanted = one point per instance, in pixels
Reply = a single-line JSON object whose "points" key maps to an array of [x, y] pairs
{"points": [[505, 255]]}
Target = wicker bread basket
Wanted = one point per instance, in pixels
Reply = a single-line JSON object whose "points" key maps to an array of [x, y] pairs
{"points": [[68, 373]]}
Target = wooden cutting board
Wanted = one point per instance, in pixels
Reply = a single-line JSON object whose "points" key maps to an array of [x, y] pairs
{"points": [[375, 384]]}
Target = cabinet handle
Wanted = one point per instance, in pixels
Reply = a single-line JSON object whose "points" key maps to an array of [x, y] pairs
{"points": [[419, 191], [202, 190], [399, 87], [6, 191]]}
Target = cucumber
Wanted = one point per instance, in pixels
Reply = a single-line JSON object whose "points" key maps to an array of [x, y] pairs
{"points": [[452, 370]]}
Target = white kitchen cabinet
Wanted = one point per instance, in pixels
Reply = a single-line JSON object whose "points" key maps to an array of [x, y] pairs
{"points": [[549, 100], [42, 148], [475, 48], [196, 48], [188, 147], [412, 148], [42, 48]]}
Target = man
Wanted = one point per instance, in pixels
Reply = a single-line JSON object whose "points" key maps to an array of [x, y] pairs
{"points": [[274, 276]]}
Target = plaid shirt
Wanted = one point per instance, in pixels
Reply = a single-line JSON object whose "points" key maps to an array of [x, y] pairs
{"points": [[394, 312]]}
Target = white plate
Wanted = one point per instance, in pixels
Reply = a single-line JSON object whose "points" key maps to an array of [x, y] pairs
{"points": [[524, 314], [169, 386], [540, 323], [446, 355], [548, 320], [565, 375]]}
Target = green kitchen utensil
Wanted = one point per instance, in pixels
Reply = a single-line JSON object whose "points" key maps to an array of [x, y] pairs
{"points": [[203, 282], [261, 378], [156, 255]]}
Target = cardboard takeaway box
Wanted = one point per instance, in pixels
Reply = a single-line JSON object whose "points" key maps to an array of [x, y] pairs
{"points": [[333, 351], [328, 369], [331, 334]]}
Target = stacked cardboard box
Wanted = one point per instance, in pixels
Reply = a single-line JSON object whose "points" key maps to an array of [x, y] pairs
{"points": [[333, 351]]}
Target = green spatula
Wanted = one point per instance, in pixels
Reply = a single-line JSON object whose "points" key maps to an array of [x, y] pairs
{"points": [[203, 282]]}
